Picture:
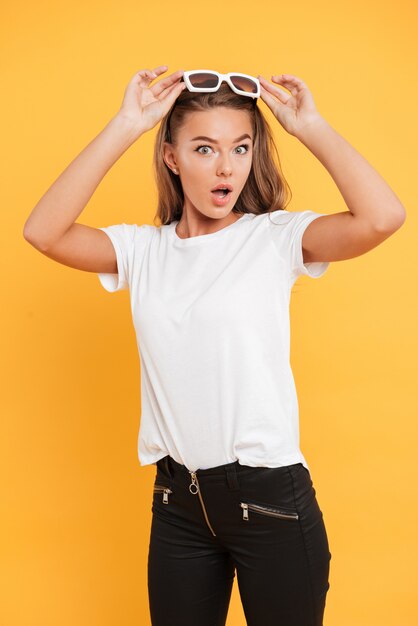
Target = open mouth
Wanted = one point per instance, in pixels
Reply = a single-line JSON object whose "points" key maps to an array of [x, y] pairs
{"points": [[221, 193]]}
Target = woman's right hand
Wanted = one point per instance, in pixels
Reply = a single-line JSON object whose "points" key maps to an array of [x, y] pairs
{"points": [[145, 106]]}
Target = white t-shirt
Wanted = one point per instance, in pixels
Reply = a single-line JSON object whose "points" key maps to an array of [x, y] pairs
{"points": [[211, 316]]}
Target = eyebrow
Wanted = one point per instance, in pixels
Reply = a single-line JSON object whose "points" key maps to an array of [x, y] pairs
{"points": [[202, 137]]}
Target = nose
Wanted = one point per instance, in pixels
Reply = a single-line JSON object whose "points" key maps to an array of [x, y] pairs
{"points": [[224, 167]]}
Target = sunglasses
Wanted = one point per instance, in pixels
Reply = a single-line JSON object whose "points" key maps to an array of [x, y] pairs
{"points": [[208, 80]]}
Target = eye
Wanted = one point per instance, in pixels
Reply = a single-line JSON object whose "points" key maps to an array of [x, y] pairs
{"points": [[198, 148], [244, 145]]}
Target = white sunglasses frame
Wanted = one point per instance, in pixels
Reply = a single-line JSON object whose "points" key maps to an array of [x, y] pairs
{"points": [[222, 77]]}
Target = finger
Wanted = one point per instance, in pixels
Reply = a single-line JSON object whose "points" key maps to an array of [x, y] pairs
{"points": [[268, 87], [156, 71], [167, 82], [175, 89], [269, 99], [146, 76], [160, 69], [292, 83], [273, 89], [150, 75], [289, 77], [172, 93]]}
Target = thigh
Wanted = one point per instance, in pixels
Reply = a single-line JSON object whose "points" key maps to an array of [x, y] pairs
{"points": [[190, 576], [283, 554]]}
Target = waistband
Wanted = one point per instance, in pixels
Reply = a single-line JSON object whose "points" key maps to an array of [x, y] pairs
{"points": [[172, 466], [227, 471]]}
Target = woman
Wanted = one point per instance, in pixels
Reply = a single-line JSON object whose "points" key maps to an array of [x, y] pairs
{"points": [[210, 290]]}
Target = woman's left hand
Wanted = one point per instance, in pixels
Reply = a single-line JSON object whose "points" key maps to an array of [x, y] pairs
{"points": [[295, 111]]}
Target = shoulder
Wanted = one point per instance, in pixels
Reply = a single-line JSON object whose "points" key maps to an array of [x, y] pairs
{"points": [[129, 236], [292, 221], [283, 216]]}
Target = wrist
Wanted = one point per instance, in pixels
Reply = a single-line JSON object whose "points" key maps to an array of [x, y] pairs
{"points": [[127, 126], [312, 128]]}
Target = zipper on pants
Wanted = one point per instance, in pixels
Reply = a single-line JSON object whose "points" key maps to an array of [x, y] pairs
{"points": [[195, 484], [165, 491], [265, 510]]}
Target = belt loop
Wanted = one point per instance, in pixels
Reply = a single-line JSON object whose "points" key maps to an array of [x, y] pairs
{"points": [[167, 466], [231, 476]]}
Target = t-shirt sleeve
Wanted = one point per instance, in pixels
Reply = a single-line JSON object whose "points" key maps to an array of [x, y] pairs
{"points": [[287, 228], [122, 237]]}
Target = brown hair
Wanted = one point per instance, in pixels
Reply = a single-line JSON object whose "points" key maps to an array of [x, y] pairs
{"points": [[265, 190]]}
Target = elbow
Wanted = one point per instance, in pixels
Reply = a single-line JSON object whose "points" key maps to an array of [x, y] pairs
{"points": [[26, 234], [394, 223], [30, 238]]}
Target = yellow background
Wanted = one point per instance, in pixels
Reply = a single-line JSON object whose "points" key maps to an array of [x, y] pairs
{"points": [[75, 503]]}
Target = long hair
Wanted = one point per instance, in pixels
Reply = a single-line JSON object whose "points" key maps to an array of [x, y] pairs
{"points": [[265, 190]]}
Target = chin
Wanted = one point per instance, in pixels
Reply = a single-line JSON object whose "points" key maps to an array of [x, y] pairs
{"points": [[220, 213]]}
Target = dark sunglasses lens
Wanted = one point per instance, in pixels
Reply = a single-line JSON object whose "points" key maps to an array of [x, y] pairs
{"points": [[204, 80], [244, 84]]}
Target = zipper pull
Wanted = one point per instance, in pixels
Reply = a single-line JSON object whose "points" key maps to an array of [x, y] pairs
{"points": [[194, 483], [165, 495], [244, 511]]}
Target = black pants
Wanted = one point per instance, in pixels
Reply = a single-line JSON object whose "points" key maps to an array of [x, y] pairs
{"points": [[263, 522]]}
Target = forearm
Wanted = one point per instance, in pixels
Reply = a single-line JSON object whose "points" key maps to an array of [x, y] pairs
{"points": [[63, 202], [365, 192]]}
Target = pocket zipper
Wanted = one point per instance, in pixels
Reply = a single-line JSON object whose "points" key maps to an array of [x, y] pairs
{"points": [[195, 483], [265, 510], [165, 491]]}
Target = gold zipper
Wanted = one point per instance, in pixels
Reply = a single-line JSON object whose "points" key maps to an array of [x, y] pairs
{"points": [[164, 490], [265, 510], [195, 483]]}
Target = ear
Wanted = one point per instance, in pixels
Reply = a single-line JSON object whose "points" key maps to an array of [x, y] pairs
{"points": [[169, 156]]}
